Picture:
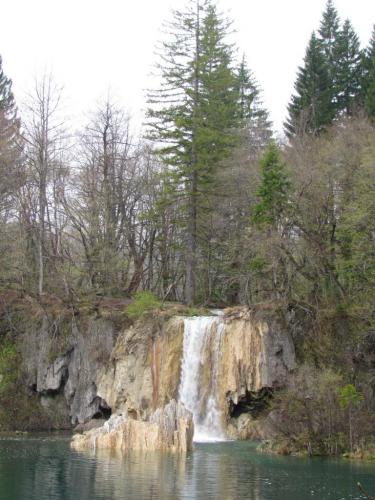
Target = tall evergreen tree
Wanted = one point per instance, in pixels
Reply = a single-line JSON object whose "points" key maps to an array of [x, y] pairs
{"points": [[194, 114], [328, 33], [348, 69], [9, 130], [254, 119], [7, 103], [310, 108], [368, 56], [274, 188], [330, 83], [368, 77], [370, 93]]}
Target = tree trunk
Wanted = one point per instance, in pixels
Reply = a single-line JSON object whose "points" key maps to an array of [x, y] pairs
{"points": [[42, 210], [191, 248], [191, 243]]}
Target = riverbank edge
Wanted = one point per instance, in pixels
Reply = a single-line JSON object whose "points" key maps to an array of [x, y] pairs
{"points": [[283, 448]]}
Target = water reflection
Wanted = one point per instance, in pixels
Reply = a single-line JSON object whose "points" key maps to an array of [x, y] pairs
{"points": [[45, 468], [202, 474]]}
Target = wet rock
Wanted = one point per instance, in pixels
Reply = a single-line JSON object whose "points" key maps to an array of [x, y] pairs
{"points": [[169, 429], [95, 423], [256, 429]]}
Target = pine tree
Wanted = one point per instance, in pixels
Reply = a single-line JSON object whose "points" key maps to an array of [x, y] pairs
{"points": [[9, 130], [368, 56], [273, 190], [310, 108], [370, 93], [194, 114], [9, 123], [254, 119], [217, 101], [7, 104], [348, 70], [368, 77], [328, 35]]}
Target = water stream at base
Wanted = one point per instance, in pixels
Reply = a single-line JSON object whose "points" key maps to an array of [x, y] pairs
{"points": [[199, 376]]}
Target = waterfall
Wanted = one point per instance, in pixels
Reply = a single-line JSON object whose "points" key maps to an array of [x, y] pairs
{"points": [[199, 375]]}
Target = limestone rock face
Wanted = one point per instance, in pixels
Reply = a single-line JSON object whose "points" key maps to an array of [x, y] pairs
{"points": [[144, 371], [256, 429], [169, 429], [71, 375], [256, 352], [92, 350], [53, 376]]}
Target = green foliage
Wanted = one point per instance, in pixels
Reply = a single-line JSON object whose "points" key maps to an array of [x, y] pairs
{"points": [[356, 262], [314, 104], [349, 68], [274, 188], [258, 264], [349, 396], [9, 367], [328, 32], [310, 109], [333, 80], [20, 409], [196, 125], [143, 302], [253, 117], [193, 311], [310, 413], [308, 409], [7, 104], [368, 77], [10, 176], [195, 116], [370, 92]]}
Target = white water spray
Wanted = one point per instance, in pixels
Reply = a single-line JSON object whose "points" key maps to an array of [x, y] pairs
{"points": [[199, 373]]}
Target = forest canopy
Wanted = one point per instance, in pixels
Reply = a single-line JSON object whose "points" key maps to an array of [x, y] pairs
{"points": [[205, 207]]}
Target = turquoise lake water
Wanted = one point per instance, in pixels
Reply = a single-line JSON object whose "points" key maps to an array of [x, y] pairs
{"points": [[44, 468]]}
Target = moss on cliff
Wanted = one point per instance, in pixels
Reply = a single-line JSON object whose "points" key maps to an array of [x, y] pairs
{"points": [[20, 407]]}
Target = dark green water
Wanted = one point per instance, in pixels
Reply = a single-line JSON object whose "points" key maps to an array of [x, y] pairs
{"points": [[41, 468]]}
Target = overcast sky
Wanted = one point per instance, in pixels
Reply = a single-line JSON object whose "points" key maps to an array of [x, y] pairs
{"points": [[93, 45]]}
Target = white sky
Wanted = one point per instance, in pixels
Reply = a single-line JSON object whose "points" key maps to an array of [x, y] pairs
{"points": [[93, 45]]}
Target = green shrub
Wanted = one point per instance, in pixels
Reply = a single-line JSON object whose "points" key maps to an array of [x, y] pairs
{"points": [[193, 311], [316, 413], [143, 302], [349, 396]]}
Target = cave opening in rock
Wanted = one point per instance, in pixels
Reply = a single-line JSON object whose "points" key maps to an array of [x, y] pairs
{"points": [[253, 402], [104, 411]]}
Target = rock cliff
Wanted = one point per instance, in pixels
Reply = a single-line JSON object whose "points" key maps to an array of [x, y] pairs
{"points": [[105, 368], [66, 379]]}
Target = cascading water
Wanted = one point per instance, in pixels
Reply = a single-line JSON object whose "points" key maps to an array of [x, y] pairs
{"points": [[199, 375]]}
